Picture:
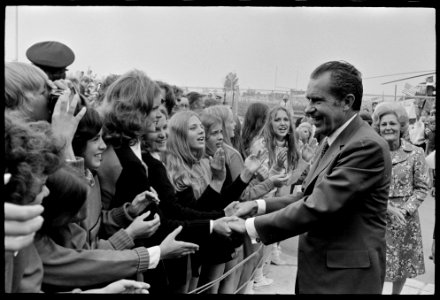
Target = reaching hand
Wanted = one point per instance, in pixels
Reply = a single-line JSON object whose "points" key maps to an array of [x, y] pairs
{"points": [[279, 179], [22, 221], [143, 229], [246, 209], [221, 225], [123, 286], [64, 123], [238, 226], [170, 248], [21, 224], [141, 201], [252, 162], [230, 209], [217, 164]]}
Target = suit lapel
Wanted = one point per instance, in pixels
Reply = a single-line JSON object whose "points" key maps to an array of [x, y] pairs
{"points": [[333, 151]]}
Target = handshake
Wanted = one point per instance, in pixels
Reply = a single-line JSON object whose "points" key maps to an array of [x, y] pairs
{"points": [[234, 221]]}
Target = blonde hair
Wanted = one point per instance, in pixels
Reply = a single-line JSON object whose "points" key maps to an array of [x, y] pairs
{"points": [[20, 79], [184, 165], [394, 108], [223, 112], [208, 122]]}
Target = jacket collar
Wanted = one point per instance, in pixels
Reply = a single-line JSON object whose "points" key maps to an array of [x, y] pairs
{"points": [[402, 153], [334, 149]]}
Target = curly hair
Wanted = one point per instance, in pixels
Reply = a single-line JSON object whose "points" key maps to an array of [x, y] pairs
{"points": [[394, 108], [132, 95], [31, 152], [270, 140]]}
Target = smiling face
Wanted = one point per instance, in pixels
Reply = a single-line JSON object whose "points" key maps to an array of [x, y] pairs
{"points": [[214, 139], [196, 134], [389, 127], [324, 109], [93, 152], [280, 124], [157, 140]]}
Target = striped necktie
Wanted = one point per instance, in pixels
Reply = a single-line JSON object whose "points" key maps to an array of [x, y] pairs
{"points": [[324, 149]]}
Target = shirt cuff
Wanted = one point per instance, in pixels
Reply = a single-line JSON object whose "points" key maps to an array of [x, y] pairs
{"points": [[251, 231], [211, 226], [261, 206], [154, 256]]}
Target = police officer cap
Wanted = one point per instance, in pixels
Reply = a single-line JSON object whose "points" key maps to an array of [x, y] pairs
{"points": [[50, 54]]}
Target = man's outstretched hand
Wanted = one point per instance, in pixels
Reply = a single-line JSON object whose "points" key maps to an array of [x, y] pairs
{"points": [[246, 209]]}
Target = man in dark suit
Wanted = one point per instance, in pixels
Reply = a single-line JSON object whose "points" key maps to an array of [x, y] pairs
{"points": [[340, 215]]}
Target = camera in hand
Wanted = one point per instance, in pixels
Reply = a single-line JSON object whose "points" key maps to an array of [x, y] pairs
{"points": [[53, 98]]}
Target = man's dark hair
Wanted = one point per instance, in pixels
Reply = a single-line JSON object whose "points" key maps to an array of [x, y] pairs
{"points": [[170, 98], [345, 79], [193, 98]]}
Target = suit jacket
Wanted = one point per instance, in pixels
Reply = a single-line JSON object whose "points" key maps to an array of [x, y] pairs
{"points": [[341, 219]]}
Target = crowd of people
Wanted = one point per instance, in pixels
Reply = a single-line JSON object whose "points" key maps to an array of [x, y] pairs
{"points": [[131, 185]]}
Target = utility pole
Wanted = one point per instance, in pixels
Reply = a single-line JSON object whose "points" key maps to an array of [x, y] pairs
{"points": [[16, 33], [296, 83], [275, 83]]}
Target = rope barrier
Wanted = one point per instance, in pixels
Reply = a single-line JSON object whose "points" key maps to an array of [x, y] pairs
{"points": [[263, 259], [210, 284]]}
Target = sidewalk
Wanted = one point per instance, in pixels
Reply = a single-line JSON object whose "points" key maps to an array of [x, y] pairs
{"points": [[284, 281]]}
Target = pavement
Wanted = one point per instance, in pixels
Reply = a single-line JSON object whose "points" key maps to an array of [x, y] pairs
{"points": [[284, 277]]}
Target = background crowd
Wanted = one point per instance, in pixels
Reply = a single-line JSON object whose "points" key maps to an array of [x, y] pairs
{"points": [[130, 184]]}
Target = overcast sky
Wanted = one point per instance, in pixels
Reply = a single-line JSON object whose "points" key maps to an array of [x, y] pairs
{"points": [[268, 47]]}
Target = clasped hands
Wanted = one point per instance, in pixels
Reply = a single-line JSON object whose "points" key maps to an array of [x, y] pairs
{"points": [[234, 221]]}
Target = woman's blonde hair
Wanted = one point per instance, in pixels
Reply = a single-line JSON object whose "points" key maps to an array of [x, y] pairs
{"points": [[182, 163], [208, 122], [223, 112], [21, 79], [394, 108]]}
